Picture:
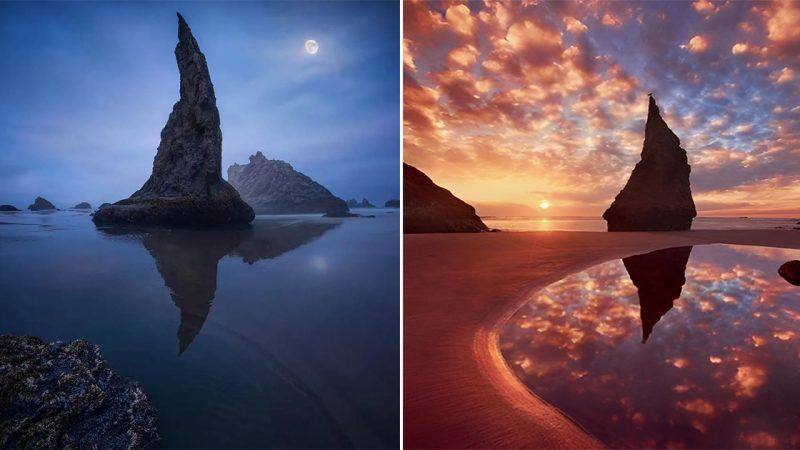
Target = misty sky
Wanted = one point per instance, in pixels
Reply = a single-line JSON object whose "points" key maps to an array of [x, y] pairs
{"points": [[86, 88], [510, 103]]}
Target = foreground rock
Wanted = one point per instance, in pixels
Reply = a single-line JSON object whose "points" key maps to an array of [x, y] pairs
{"points": [[41, 204], [392, 204], [82, 205], [657, 196], [63, 395], [6, 208], [429, 208], [272, 186], [186, 186], [790, 271]]}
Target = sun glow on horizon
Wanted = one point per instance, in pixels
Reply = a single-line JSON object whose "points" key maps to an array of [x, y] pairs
{"points": [[544, 204]]}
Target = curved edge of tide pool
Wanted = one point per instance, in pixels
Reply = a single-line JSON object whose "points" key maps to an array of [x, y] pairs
{"points": [[459, 291]]}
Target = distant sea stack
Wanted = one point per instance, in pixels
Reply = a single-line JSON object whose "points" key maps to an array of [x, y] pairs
{"points": [[364, 203], [272, 186], [8, 208], [429, 208], [657, 196], [82, 205], [392, 204], [41, 204], [186, 186]]}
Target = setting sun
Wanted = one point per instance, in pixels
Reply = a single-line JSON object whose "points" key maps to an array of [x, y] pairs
{"points": [[544, 204]]}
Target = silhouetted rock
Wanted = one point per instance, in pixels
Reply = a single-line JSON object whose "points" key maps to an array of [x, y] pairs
{"points": [[82, 205], [429, 208], [392, 204], [41, 204], [790, 271], [186, 186], [657, 195], [7, 208], [659, 276], [63, 395], [272, 186]]}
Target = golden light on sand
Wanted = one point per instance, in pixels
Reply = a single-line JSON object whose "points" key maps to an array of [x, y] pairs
{"points": [[544, 204]]}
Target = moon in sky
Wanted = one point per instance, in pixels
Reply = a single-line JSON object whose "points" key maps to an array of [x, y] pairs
{"points": [[312, 47], [544, 204]]}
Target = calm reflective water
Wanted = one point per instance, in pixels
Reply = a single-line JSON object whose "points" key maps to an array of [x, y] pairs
{"points": [[282, 335], [510, 223], [679, 348]]}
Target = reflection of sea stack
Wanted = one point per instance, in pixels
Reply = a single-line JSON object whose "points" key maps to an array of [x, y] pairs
{"points": [[660, 277], [187, 259], [428, 208], [272, 186], [186, 186], [657, 195]]}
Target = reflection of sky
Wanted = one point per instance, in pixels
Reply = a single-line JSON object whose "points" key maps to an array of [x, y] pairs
{"points": [[88, 86], [720, 370]]}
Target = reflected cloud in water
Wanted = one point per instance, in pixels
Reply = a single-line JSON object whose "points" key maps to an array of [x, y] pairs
{"points": [[720, 370], [187, 259]]}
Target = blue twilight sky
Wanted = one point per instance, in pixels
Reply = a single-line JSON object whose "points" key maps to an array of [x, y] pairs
{"points": [[86, 88]]}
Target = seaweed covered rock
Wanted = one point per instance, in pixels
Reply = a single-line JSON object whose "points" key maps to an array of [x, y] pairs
{"points": [[63, 395]]}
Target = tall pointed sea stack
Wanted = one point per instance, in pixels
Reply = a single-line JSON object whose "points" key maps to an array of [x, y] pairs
{"points": [[657, 196], [186, 186]]}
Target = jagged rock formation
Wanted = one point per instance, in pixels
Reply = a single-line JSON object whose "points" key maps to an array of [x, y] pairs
{"points": [[63, 395], [429, 208], [392, 204], [659, 276], [8, 208], [272, 186], [790, 271], [657, 196], [82, 205], [364, 203], [186, 186], [41, 204]]}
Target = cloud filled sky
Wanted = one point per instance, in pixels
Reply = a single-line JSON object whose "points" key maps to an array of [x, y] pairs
{"points": [[508, 103], [88, 86]]}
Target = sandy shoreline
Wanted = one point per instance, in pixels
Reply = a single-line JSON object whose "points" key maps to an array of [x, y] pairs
{"points": [[460, 288]]}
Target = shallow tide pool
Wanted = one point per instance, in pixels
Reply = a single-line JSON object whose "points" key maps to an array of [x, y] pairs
{"points": [[689, 347], [285, 334]]}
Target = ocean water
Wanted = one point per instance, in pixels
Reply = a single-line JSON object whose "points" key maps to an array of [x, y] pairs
{"points": [[598, 224], [283, 335], [689, 347]]}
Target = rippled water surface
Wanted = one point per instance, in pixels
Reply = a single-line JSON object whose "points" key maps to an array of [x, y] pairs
{"points": [[678, 348], [282, 335]]}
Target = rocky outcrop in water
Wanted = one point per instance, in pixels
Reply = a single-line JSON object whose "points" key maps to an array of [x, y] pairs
{"points": [[392, 204], [429, 208], [657, 196], [41, 204], [364, 203], [8, 208], [63, 395], [272, 186], [186, 186], [82, 205], [790, 271], [659, 276]]}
